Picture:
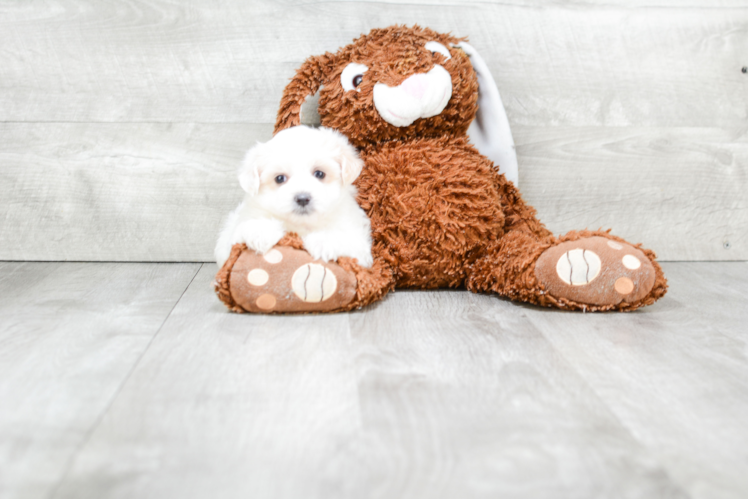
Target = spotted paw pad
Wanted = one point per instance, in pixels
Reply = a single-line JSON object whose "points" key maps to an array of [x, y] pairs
{"points": [[289, 280], [596, 271]]}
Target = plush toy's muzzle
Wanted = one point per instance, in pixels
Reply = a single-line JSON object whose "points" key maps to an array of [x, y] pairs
{"points": [[422, 95]]}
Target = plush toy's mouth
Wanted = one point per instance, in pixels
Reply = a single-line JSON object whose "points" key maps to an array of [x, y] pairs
{"points": [[422, 95], [396, 116]]}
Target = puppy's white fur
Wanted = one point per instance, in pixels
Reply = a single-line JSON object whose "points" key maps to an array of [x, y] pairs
{"points": [[279, 175]]}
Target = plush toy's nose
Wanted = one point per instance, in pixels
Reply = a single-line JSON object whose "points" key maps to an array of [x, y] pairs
{"points": [[416, 85]]}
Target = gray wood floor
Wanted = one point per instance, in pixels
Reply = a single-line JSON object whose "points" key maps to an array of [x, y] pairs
{"points": [[133, 380]]}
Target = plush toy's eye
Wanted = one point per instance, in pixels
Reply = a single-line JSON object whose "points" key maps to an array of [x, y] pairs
{"points": [[435, 47], [319, 174], [280, 179], [352, 76]]}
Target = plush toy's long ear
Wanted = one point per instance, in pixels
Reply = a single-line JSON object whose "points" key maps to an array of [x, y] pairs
{"points": [[490, 131], [305, 83]]}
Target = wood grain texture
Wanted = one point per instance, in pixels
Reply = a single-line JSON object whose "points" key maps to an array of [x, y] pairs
{"points": [[677, 378], [436, 394], [132, 192], [679, 191], [69, 336], [158, 192], [205, 411], [122, 122], [427, 394], [647, 63]]}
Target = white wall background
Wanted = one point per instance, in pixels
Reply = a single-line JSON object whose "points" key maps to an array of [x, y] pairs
{"points": [[122, 121]]}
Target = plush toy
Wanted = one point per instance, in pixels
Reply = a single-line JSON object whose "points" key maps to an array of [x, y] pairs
{"points": [[439, 185]]}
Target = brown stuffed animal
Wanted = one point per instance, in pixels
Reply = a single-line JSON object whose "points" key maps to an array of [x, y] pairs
{"points": [[441, 213]]}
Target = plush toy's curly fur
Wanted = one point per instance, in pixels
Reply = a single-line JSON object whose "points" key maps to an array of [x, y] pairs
{"points": [[441, 214]]}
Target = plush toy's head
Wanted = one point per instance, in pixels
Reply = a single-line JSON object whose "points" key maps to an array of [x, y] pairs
{"points": [[393, 83]]}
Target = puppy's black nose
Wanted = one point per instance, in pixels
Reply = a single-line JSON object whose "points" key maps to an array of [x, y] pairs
{"points": [[302, 199]]}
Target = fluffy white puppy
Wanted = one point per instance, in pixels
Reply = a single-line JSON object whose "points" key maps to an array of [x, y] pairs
{"points": [[300, 181]]}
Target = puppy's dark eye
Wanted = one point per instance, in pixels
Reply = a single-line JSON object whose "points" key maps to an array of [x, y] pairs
{"points": [[280, 179], [319, 174], [357, 80]]}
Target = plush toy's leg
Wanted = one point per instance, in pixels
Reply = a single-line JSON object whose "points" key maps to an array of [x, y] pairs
{"points": [[582, 270], [288, 280]]}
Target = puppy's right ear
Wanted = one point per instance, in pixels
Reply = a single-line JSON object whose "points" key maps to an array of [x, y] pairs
{"points": [[307, 81], [249, 171]]}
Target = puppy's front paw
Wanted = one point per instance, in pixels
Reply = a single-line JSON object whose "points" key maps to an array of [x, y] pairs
{"points": [[365, 258], [259, 235], [320, 248], [329, 246]]}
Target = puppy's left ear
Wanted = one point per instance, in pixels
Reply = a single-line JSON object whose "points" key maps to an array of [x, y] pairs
{"points": [[350, 164], [347, 156]]}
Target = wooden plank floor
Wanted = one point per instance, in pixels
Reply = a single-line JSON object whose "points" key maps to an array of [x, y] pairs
{"points": [[132, 380]]}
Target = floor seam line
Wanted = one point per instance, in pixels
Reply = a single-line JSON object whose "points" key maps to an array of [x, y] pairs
{"points": [[616, 417], [87, 437]]}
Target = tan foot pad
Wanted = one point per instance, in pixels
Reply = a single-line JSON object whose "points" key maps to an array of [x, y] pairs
{"points": [[289, 280], [596, 271]]}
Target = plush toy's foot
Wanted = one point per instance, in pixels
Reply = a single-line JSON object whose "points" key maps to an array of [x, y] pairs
{"points": [[599, 272], [288, 280]]}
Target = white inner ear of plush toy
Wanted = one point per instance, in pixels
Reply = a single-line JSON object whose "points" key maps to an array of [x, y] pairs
{"points": [[489, 132], [309, 112]]}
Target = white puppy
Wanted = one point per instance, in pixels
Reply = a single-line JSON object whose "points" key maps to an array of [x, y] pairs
{"points": [[300, 181]]}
